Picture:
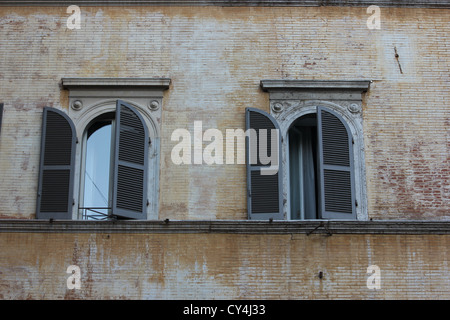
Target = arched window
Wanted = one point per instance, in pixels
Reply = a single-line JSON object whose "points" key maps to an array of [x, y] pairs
{"points": [[114, 161], [321, 168], [122, 113], [95, 193], [321, 178]]}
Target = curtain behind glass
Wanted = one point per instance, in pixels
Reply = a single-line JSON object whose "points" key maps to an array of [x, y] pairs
{"points": [[309, 176], [302, 174]]}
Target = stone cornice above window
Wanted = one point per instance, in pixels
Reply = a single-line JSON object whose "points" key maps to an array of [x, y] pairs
{"points": [[348, 92], [156, 83], [109, 87], [90, 91], [344, 85]]}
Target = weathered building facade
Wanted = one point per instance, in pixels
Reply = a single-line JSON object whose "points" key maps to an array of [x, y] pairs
{"points": [[172, 81]]}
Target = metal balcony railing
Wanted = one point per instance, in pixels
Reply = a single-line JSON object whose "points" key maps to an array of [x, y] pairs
{"points": [[95, 213]]}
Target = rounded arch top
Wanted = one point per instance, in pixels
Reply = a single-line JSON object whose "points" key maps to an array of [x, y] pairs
{"points": [[90, 97], [294, 111], [85, 116]]}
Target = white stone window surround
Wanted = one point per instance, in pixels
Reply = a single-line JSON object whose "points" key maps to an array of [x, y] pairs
{"points": [[291, 99], [91, 97]]}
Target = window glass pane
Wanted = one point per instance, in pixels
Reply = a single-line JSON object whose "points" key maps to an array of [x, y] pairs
{"points": [[97, 171]]}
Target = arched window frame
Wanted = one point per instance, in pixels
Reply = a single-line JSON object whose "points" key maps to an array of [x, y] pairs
{"points": [[292, 99], [83, 166], [92, 97]]}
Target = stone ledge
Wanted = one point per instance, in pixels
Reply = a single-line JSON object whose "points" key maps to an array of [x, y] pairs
{"points": [[228, 226], [237, 3]]}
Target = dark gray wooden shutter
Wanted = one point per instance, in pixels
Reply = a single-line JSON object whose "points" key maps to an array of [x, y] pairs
{"points": [[337, 194], [130, 163], [1, 115], [264, 191], [56, 169]]}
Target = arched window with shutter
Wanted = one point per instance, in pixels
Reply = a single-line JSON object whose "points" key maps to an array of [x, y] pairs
{"points": [[323, 154], [321, 177], [320, 168], [114, 166]]}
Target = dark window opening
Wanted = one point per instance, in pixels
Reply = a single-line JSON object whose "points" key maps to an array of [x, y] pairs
{"points": [[303, 168], [320, 168]]}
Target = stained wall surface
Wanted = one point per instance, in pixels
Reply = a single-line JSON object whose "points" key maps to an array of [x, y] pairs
{"points": [[216, 58], [218, 266]]}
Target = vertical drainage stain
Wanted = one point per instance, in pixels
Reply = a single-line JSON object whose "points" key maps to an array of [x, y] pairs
{"points": [[398, 62]]}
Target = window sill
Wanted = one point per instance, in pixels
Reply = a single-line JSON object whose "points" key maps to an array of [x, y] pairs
{"points": [[227, 226]]}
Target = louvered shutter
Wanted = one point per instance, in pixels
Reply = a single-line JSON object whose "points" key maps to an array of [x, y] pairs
{"points": [[335, 166], [264, 189], [1, 115], [56, 169], [130, 163]]}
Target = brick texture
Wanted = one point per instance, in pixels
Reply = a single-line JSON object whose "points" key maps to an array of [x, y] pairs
{"points": [[215, 266], [216, 57]]}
